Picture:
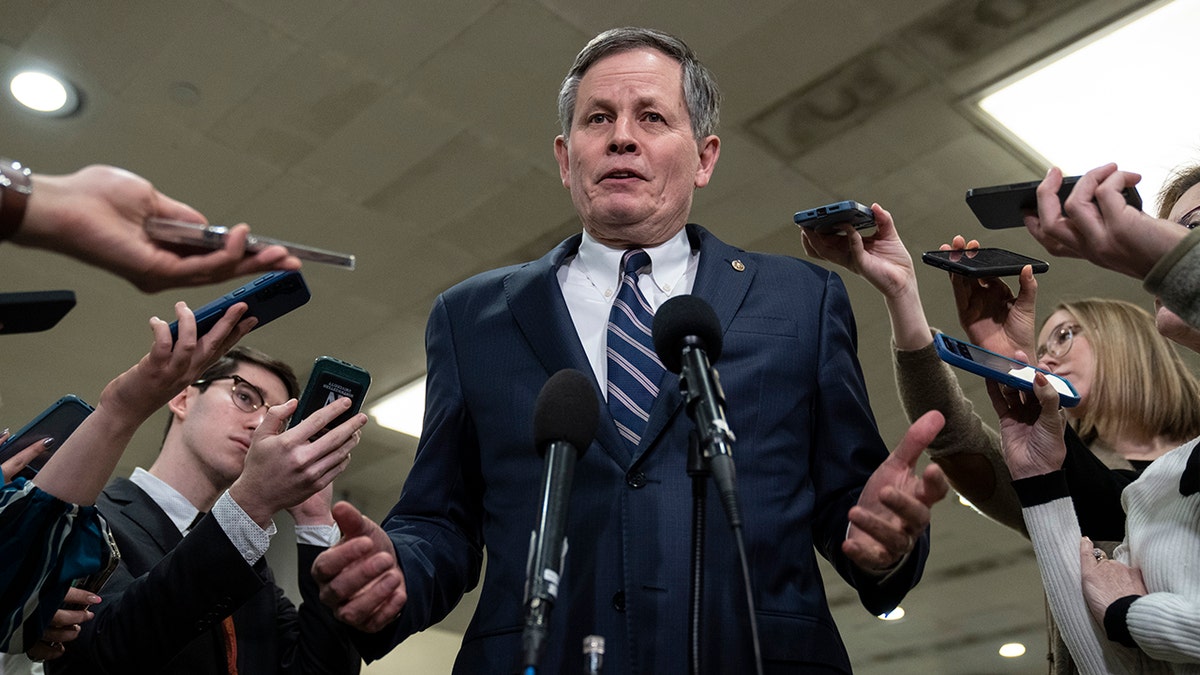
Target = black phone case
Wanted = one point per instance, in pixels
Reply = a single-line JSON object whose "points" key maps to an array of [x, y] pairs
{"points": [[983, 262], [267, 298], [1000, 207], [330, 379], [33, 311]]}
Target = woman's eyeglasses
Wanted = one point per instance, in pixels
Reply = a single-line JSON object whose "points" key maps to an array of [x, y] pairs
{"points": [[1060, 341]]}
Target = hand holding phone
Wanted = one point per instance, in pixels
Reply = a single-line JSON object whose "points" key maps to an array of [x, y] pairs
{"points": [[267, 298], [56, 422], [982, 262], [1002, 369], [330, 380], [1003, 206]]}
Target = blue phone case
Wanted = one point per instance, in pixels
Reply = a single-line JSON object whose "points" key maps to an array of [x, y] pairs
{"points": [[58, 421], [267, 297], [1002, 369], [825, 219]]}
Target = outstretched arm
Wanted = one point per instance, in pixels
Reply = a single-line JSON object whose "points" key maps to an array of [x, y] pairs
{"points": [[96, 215]]}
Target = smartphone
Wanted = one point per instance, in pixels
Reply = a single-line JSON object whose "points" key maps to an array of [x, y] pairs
{"points": [[330, 380], [1002, 369], [213, 237], [58, 422], [983, 262], [826, 219], [94, 582], [1003, 206], [33, 311], [267, 297]]}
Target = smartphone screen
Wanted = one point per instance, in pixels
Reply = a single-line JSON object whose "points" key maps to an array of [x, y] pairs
{"points": [[1002, 369], [983, 262], [330, 380], [58, 422]]}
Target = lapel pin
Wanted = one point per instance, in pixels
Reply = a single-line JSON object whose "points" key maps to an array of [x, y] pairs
{"points": [[737, 265]]}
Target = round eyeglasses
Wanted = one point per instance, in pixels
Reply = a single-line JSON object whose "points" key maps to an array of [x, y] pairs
{"points": [[245, 396], [1060, 341]]}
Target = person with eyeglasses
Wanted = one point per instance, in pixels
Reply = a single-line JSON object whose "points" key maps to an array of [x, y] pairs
{"points": [[193, 592], [1135, 608], [51, 530], [968, 450]]}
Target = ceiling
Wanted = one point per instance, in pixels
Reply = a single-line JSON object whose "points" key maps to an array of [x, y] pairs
{"points": [[418, 136]]}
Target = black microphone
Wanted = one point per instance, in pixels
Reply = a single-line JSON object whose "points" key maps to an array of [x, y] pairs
{"points": [[687, 334], [564, 423]]}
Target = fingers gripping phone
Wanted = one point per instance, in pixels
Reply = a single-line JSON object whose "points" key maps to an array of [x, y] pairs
{"points": [[267, 298], [826, 219], [58, 422], [330, 380], [94, 582], [1002, 369], [983, 262], [1002, 206]]}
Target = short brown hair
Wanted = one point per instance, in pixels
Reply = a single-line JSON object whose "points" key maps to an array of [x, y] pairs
{"points": [[1180, 181], [226, 365]]}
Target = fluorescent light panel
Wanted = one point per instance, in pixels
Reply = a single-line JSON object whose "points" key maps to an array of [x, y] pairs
{"points": [[1127, 96], [402, 410]]}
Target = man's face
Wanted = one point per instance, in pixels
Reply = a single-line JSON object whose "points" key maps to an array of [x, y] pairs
{"points": [[631, 161], [217, 432]]}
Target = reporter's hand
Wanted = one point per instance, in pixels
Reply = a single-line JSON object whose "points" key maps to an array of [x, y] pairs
{"points": [[1096, 224], [359, 578], [97, 215], [989, 313], [63, 627], [1106, 581], [15, 464], [284, 468], [1031, 426]]}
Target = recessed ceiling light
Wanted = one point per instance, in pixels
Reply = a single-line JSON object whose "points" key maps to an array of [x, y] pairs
{"points": [[1123, 95], [44, 93], [402, 410], [1012, 650]]}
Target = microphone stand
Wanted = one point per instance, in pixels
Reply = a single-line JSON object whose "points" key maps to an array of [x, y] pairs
{"points": [[698, 470]]}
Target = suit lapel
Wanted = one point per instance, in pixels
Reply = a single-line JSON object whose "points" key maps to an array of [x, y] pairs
{"points": [[144, 515], [537, 305], [722, 279]]}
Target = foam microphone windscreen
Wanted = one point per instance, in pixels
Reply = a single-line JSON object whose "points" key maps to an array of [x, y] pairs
{"points": [[680, 318], [566, 410]]}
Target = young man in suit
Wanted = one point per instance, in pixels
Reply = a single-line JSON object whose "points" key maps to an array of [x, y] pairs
{"points": [[193, 592], [639, 115]]}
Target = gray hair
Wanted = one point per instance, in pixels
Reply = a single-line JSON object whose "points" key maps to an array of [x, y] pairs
{"points": [[699, 86]]}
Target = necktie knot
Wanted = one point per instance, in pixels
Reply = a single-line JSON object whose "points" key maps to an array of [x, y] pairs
{"points": [[634, 261]]}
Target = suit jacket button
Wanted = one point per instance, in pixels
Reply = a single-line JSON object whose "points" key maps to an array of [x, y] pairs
{"points": [[618, 601], [635, 479]]}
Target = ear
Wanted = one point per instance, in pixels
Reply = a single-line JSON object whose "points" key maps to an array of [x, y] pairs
{"points": [[564, 160], [180, 403], [710, 150]]}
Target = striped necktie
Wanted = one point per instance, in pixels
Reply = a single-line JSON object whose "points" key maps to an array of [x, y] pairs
{"points": [[633, 368]]}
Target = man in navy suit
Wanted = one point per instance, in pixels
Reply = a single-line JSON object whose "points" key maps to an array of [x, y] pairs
{"points": [[814, 474], [193, 592]]}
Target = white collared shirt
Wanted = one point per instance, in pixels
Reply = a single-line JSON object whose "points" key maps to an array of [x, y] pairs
{"points": [[590, 280]]}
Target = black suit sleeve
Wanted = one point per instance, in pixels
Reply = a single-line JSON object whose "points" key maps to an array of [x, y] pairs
{"points": [[314, 642]]}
